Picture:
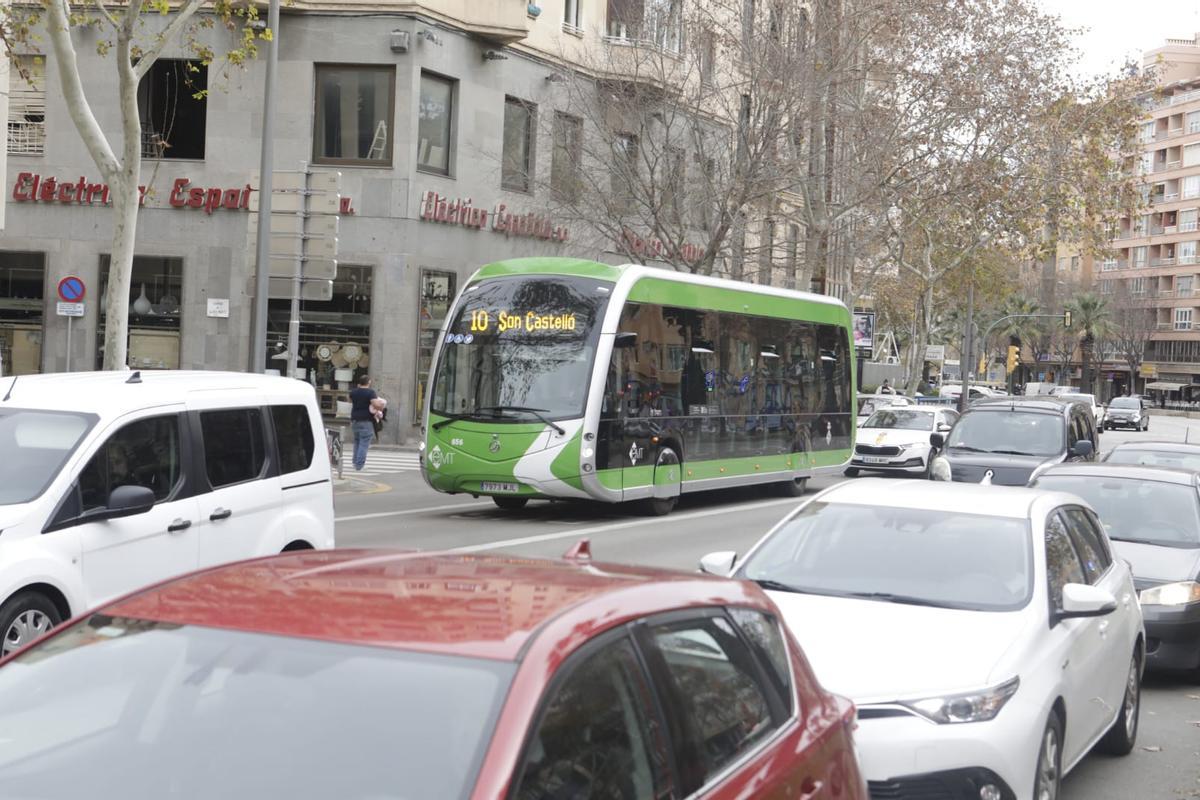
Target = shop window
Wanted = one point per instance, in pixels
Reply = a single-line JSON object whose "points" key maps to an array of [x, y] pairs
{"points": [[566, 157], [434, 118], [437, 293], [27, 106], [335, 338], [355, 107], [154, 312], [517, 163], [22, 296], [172, 104]]}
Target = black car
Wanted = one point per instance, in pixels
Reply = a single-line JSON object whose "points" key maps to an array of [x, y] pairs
{"points": [[1152, 515], [1179, 455], [1127, 412], [1010, 437]]}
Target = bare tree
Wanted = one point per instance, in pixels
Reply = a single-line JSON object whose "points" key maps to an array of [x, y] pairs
{"points": [[134, 36], [1131, 324]]}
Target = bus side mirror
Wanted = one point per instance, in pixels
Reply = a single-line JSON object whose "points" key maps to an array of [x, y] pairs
{"points": [[622, 340]]}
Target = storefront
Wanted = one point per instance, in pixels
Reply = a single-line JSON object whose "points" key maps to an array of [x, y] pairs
{"points": [[22, 305], [155, 325]]}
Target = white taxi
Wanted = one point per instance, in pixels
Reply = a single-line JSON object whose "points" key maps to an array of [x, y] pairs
{"points": [[896, 440]]}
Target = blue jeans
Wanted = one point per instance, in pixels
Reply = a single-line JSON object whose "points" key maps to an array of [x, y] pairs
{"points": [[364, 432]]}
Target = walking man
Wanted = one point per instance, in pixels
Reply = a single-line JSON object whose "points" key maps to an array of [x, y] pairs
{"points": [[362, 421]]}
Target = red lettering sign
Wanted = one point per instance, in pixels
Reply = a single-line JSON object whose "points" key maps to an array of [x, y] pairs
{"points": [[655, 248], [436, 208]]}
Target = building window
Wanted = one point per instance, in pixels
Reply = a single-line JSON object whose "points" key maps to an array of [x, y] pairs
{"points": [[1183, 285], [1137, 286], [173, 104], [1191, 155], [154, 312], [1139, 256], [565, 158], [436, 293], [1106, 287], [1187, 253], [355, 108], [434, 128], [573, 16], [1146, 134], [27, 106], [1191, 186], [707, 57], [656, 22], [1074, 263], [624, 168], [22, 292], [1193, 122], [1183, 319], [1187, 220], [517, 163]]}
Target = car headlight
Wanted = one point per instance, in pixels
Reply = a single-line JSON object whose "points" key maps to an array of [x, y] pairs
{"points": [[1171, 594], [967, 707], [1136, 415], [940, 471]]}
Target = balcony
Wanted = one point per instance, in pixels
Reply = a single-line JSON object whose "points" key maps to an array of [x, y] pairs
{"points": [[499, 21], [1177, 99], [1174, 164], [1173, 132], [26, 138], [1187, 259], [1187, 227]]}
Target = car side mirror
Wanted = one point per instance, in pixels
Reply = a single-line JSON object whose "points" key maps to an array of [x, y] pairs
{"points": [[1083, 448], [944, 427], [624, 340], [1080, 600], [719, 563], [126, 501], [937, 439]]}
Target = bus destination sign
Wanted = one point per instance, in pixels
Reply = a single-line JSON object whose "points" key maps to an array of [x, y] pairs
{"points": [[482, 321]]}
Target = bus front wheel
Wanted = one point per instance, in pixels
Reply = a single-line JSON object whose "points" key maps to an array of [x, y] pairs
{"points": [[510, 503]]}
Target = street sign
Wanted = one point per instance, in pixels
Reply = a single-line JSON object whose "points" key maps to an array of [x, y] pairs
{"points": [[71, 289], [281, 289], [314, 268], [70, 309], [935, 352]]}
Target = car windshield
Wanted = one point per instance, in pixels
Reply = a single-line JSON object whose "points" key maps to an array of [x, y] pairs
{"points": [[908, 555], [515, 346], [142, 710], [1135, 509], [1014, 432], [901, 418], [35, 445], [1154, 458], [1124, 402]]}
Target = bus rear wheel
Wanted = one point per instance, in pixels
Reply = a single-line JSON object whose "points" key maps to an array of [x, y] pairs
{"points": [[510, 503], [792, 488]]}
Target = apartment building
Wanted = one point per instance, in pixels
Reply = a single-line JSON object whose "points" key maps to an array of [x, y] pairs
{"points": [[447, 120], [1156, 252]]}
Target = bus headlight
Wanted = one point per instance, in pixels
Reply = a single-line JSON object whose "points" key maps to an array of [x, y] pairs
{"points": [[940, 471]]}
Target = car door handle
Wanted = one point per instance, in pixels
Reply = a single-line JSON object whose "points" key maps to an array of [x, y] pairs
{"points": [[220, 514], [179, 525], [810, 789]]}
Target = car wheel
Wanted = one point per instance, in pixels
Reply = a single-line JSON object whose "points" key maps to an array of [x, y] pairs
{"points": [[792, 488], [851, 472], [25, 617], [1120, 738], [510, 503], [1048, 776]]}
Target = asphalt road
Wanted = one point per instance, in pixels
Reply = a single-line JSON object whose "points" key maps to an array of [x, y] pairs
{"points": [[397, 509]]}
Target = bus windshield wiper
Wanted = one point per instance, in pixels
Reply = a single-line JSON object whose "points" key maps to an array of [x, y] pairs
{"points": [[441, 423], [537, 412]]}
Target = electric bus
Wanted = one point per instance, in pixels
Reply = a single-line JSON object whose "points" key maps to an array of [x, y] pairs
{"points": [[563, 378]]}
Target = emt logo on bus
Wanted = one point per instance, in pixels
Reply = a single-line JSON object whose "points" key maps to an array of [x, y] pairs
{"points": [[481, 321]]}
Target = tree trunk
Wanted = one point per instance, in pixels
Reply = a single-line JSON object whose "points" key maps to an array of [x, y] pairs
{"points": [[1085, 371], [920, 340], [120, 273]]}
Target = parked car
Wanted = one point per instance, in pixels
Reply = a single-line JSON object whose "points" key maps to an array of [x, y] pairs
{"points": [[1179, 455], [1152, 516], [1061, 390], [1088, 400], [987, 634], [897, 440], [379, 674], [977, 391], [114, 480], [1010, 437], [1127, 412], [868, 404]]}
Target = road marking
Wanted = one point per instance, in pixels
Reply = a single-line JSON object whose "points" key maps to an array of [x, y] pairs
{"points": [[382, 514], [616, 526]]}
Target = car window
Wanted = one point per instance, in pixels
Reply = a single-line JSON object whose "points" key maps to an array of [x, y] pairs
{"points": [[715, 680], [598, 736], [294, 437], [35, 445], [1091, 555], [233, 445], [1154, 458], [764, 635], [1062, 562], [142, 453]]}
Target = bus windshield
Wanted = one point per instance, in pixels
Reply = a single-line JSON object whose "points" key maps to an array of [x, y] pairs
{"points": [[520, 348]]}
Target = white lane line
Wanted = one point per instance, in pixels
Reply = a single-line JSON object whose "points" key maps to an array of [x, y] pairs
{"points": [[616, 526], [383, 514]]}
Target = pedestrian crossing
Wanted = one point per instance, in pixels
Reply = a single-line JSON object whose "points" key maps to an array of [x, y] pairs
{"points": [[381, 462]]}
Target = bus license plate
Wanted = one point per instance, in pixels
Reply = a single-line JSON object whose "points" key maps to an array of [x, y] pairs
{"points": [[508, 488], [874, 460]]}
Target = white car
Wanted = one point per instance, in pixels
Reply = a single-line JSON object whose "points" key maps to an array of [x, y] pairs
{"points": [[868, 404], [1091, 402], [977, 391], [110, 481], [987, 635], [897, 440]]}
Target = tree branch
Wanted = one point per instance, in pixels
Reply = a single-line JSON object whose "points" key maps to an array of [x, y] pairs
{"points": [[168, 35]]}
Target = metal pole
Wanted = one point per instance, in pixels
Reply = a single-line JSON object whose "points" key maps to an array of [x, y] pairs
{"points": [[967, 365], [69, 321], [293, 346], [262, 260]]}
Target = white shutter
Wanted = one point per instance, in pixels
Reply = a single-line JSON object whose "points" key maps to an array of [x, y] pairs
{"points": [[27, 106], [1191, 155]]}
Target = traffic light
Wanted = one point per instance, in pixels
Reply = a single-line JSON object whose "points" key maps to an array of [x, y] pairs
{"points": [[982, 373], [1014, 358], [1067, 318]]}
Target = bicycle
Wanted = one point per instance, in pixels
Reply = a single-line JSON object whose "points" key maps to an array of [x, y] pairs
{"points": [[333, 441]]}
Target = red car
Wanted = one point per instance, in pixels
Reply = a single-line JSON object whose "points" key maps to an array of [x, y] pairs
{"points": [[370, 675]]}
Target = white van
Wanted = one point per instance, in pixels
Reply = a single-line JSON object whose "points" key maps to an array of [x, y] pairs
{"points": [[110, 481]]}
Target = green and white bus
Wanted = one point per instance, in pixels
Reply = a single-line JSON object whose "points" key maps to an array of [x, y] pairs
{"points": [[564, 378]]}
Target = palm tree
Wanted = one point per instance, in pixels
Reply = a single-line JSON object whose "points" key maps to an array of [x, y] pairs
{"points": [[1090, 314]]}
